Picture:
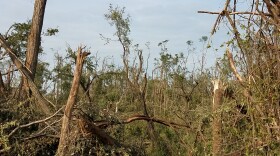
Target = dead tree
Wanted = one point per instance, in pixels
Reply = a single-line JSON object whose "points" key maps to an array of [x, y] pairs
{"points": [[217, 117], [64, 134]]}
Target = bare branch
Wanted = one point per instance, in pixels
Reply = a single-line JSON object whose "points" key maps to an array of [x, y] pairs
{"points": [[235, 13], [232, 66], [35, 122], [137, 118], [40, 135]]}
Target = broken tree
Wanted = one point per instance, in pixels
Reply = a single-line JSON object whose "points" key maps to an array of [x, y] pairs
{"points": [[64, 134]]}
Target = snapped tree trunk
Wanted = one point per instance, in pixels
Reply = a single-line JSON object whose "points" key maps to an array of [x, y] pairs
{"points": [[90, 129], [217, 115], [64, 133], [34, 40], [2, 86]]}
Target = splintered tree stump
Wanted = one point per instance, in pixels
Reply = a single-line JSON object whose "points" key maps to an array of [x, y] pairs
{"points": [[64, 134], [217, 115]]}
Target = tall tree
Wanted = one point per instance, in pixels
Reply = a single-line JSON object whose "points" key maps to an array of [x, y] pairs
{"points": [[34, 38]]}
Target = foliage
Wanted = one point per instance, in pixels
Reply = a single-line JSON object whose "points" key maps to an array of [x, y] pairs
{"points": [[174, 91]]}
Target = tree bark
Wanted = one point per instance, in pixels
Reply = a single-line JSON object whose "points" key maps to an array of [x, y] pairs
{"points": [[217, 115], [64, 134], [89, 128], [34, 40]]}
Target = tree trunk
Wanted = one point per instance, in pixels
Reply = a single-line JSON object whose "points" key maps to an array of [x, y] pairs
{"points": [[64, 134], [2, 86], [9, 76], [34, 40], [217, 122], [89, 129]]}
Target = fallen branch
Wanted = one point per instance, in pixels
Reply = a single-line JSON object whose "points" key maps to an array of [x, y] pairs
{"points": [[44, 103], [89, 129], [95, 128], [234, 13], [49, 126], [35, 122], [104, 124], [40, 135]]}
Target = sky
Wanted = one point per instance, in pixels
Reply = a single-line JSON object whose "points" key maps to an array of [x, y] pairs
{"points": [[82, 22]]}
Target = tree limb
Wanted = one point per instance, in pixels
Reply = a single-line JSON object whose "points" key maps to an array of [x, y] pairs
{"points": [[232, 66], [35, 122], [133, 118], [43, 102], [234, 13], [90, 129]]}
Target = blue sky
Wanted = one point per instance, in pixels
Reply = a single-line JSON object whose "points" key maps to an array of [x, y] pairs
{"points": [[81, 22]]}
